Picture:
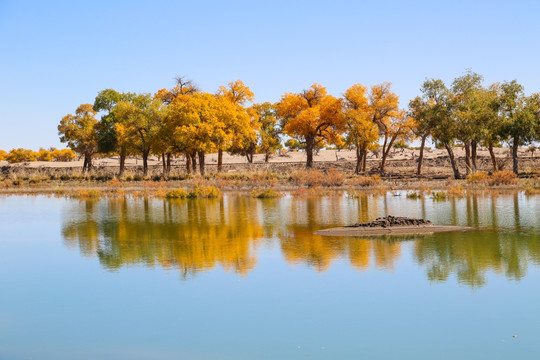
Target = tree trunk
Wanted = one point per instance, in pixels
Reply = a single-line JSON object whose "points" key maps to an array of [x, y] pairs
{"points": [[188, 163], [467, 157], [309, 153], [364, 166], [219, 160], [474, 146], [266, 157], [457, 175], [145, 162], [163, 164], [169, 157], [87, 166], [359, 158], [493, 158], [386, 151], [515, 147], [122, 163], [421, 157], [194, 162], [85, 163], [249, 156], [201, 162]]}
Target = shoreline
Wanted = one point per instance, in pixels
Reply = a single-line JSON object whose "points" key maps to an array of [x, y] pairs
{"points": [[412, 189]]}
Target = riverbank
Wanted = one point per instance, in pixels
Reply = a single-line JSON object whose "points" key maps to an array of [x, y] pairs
{"points": [[301, 182], [333, 171]]}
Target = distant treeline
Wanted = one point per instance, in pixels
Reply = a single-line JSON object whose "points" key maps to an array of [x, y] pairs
{"points": [[25, 155], [187, 121]]}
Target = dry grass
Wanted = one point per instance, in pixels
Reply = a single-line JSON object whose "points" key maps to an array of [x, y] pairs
{"points": [[504, 177], [365, 181], [477, 178], [313, 178]]}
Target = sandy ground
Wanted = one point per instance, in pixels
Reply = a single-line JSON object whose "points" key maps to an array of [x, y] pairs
{"points": [[288, 157]]}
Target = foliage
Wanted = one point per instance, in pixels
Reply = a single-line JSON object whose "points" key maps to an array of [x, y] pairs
{"points": [[20, 155], [312, 117], [293, 144], [362, 131], [438, 195], [269, 141], [414, 195], [176, 194], [204, 191], [79, 132]]}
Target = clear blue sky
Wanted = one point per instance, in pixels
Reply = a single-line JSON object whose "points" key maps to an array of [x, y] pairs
{"points": [[55, 55]]}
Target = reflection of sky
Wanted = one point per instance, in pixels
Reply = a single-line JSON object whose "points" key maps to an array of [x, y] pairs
{"points": [[56, 304]]}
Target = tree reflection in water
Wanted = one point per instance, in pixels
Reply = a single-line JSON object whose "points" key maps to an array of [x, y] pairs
{"points": [[197, 235]]}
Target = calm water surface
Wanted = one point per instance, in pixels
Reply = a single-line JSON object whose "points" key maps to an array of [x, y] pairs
{"points": [[243, 278]]}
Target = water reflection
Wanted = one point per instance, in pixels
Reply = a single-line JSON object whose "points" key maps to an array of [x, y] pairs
{"points": [[197, 235]]}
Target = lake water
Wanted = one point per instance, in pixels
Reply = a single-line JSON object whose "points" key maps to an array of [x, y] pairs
{"points": [[244, 278]]}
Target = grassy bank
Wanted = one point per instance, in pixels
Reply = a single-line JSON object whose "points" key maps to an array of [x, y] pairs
{"points": [[301, 181]]}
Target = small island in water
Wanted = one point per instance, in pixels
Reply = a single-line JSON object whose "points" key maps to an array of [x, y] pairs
{"points": [[390, 225]]}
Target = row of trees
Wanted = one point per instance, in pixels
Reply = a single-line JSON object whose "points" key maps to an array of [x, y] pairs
{"points": [[24, 155], [469, 114], [185, 120]]}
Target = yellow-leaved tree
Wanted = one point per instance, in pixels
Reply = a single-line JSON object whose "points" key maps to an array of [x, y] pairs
{"points": [[241, 123], [312, 117], [139, 124], [79, 132], [269, 132], [393, 123], [398, 127], [198, 124], [362, 132]]}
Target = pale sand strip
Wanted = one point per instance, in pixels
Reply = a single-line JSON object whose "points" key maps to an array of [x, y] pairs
{"points": [[395, 230]]}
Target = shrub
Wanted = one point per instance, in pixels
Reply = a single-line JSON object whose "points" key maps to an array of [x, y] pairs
{"points": [[414, 195], [20, 155], [477, 178], [204, 191], [63, 155], [44, 155], [365, 181], [438, 195], [176, 194], [504, 177], [266, 194], [307, 178], [333, 178], [311, 178]]}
